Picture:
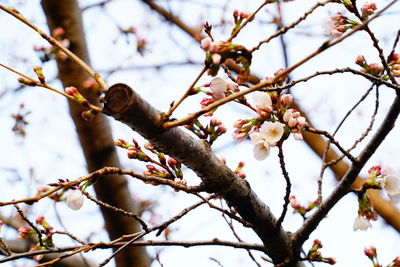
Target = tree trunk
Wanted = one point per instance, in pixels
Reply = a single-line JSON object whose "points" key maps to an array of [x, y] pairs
{"points": [[95, 135]]}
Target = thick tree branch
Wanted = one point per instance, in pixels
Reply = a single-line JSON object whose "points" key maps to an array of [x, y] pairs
{"points": [[122, 103], [348, 179], [315, 142]]}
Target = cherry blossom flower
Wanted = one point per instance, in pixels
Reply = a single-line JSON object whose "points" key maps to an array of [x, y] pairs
{"points": [[338, 24], [391, 183], [269, 134], [261, 147], [263, 103], [219, 85], [361, 223], [272, 132], [75, 199]]}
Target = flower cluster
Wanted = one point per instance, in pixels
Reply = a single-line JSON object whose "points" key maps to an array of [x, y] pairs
{"points": [[295, 122], [238, 19], [274, 122], [373, 256], [373, 69], [368, 9], [218, 52], [394, 64], [338, 24], [387, 179], [298, 208], [210, 132], [266, 137], [314, 254], [47, 241], [366, 213], [162, 167]]}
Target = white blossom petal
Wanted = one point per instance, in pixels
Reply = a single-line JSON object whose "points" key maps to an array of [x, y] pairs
{"points": [[272, 131], [262, 100], [218, 85], [261, 150], [361, 223], [255, 137]]}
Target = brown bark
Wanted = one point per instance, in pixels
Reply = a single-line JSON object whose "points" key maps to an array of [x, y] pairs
{"points": [[95, 135]]}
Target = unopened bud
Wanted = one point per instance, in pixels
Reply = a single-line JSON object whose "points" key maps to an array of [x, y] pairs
{"points": [[39, 73], [26, 82], [89, 114]]}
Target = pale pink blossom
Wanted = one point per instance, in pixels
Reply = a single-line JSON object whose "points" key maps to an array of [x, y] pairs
{"points": [[361, 223], [286, 99], [289, 114], [261, 147], [75, 199], [272, 132], [262, 101], [391, 183], [206, 43], [218, 87], [269, 134]]}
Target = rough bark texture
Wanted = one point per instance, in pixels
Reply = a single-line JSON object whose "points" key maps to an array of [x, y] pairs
{"points": [[122, 103], [95, 135]]}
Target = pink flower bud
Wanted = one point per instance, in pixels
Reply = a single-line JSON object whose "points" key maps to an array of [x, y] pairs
{"points": [[292, 122], [89, 114], [288, 115], [173, 163], [301, 121], [40, 219], [58, 32], [370, 252], [360, 60], [24, 231], [286, 99]]}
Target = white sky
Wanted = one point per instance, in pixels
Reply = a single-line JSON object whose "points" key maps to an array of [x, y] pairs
{"points": [[51, 147]]}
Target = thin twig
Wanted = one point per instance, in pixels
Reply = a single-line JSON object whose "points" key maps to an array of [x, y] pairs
{"points": [[47, 86], [288, 185], [333, 141], [37, 231], [57, 44], [187, 93], [323, 47], [291, 26], [117, 210], [77, 249], [250, 18]]}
